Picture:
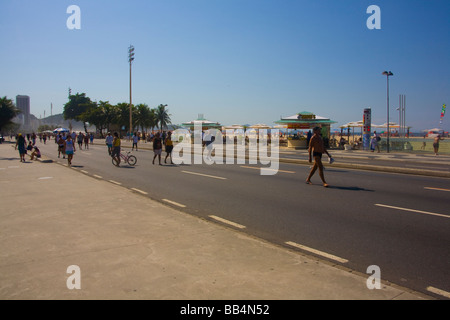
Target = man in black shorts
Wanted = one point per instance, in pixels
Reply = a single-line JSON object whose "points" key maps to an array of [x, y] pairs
{"points": [[316, 149]]}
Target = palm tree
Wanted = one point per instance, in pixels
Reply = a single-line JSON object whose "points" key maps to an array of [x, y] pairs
{"points": [[7, 112], [162, 116]]}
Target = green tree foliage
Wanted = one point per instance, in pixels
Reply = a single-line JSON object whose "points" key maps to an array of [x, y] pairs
{"points": [[162, 116], [77, 108], [7, 112]]}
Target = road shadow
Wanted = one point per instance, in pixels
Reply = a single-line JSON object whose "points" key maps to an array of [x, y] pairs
{"points": [[10, 159], [350, 188], [126, 166]]}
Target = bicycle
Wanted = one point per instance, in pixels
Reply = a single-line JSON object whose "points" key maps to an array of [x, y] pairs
{"points": [[127, 158]]}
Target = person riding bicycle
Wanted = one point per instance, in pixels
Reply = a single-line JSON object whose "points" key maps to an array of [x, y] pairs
{"points": [[116, 148]]}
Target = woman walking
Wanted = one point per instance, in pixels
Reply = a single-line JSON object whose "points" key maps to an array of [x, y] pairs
{"points": [[69, 146], [169, 147], [21, 144], [157, 147]]}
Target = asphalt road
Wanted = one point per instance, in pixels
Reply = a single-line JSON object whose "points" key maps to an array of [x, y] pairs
{"points": [[397, 222]]}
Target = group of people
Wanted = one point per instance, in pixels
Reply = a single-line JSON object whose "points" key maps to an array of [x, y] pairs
{"points": [[113, 143], [21, 144]]}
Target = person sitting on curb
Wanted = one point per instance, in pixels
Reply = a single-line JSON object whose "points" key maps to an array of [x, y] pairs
{"points": [[35, 154]]}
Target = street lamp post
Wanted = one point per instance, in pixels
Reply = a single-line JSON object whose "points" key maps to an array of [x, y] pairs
{"points": [[130, 60], [387, 74]]}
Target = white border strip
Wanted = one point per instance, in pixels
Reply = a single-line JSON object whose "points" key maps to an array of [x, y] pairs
{"points": [[231, 223], [413, 210], [439, 189], [174, 203], [318, 252], [140, 191], [115, 182], [439, 291]]}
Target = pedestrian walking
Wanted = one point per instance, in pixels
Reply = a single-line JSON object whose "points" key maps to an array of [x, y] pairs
{"points": [[109, 142], [44, 137], [91, 138], [21, 144], [208, 140], [135, 141], [157, 147], [116, 148], [33, 138], [86, 141], [316, 149], [436, 145], [375, 142], [80, 138], [169, 147], [69, 148], [60, 141]]}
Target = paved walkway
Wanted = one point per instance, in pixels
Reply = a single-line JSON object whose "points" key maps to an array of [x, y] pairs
{"points": [[130, 247]]}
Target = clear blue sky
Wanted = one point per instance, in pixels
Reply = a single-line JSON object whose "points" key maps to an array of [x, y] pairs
{"points": [[235, 61]]}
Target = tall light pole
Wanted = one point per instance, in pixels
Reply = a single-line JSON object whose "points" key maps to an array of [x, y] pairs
{"points": [[387, 74], [130, 60]]}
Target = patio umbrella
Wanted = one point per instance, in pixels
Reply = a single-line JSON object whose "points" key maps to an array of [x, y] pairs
{"points": [[260, 126], [58, 130]]}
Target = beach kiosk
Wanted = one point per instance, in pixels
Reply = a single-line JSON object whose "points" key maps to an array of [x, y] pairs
{"points": [[304, 121], [205, 124]]}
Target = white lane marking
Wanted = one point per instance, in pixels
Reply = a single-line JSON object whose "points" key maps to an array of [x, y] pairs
{"points": [[97, 176], [174, 203], [84, 171], [234, 224], [204, 175], [439, 189], [413, 210], [259, 168], [318, 252], [115, 182], [439, 291], [45, 178], [140, 191], [13, 167], [2, 168]]}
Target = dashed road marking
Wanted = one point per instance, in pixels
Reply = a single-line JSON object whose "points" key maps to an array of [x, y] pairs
{"points": [[174, 203], [259, 168], [413, 210], [84, 171], [234, 224], [45, 178], [204, 175], [97, 176], [318, 252], [115, 182], [140, 191]]}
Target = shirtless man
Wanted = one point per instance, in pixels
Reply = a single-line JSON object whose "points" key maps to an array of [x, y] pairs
{"points": [[436, 144], [316, 149]]}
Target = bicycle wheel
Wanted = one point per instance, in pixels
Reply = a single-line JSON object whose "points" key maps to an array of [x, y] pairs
{"points": [[132, 160], [114, 161]]}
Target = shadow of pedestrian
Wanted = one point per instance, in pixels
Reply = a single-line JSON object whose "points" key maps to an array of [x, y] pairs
{"points": [[350, 188]]}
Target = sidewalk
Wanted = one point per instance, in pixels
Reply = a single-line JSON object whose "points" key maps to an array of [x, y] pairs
{"points": [[130, 247]]}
